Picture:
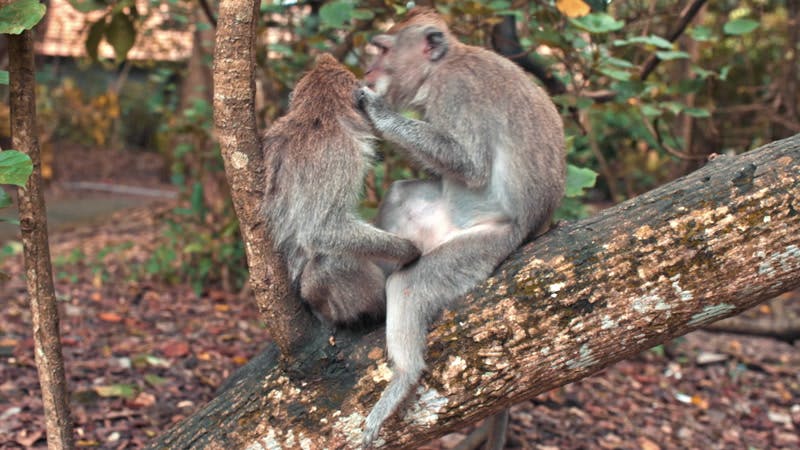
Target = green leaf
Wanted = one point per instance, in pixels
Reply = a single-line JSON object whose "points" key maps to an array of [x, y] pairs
{"points": [[624, 63], [15, 168], [20, 15], [127, 391], [579, 179], [336, 14], [5, 199], [739, 27], [598, 23], [86, 6], [499, 5], [655, 41], [96, 33], [650, 110], [700, 33], [619, 75], [121, 34], [697, 112], [4, 77], [667, 56]]}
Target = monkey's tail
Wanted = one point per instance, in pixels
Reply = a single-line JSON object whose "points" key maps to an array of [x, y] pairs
{"points": [[398, 389]]}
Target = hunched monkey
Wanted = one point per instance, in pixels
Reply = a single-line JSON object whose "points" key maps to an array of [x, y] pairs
{"points": [[316, 157], [494, 142]]}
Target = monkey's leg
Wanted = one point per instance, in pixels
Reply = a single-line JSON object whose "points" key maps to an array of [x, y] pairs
{"points": [[416, 294]]}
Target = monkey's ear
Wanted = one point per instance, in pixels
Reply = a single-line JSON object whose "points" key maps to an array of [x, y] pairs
{"points": [[435, 43]]}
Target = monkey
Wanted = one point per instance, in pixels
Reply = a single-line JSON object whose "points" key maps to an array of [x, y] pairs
{"points": [[316, 157], [494, 143]]}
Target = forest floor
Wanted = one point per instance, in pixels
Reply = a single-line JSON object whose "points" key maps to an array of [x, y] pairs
{"points": [[142, 355]]}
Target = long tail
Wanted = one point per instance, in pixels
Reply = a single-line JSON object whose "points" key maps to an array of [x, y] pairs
{"points": [[398, 389]]}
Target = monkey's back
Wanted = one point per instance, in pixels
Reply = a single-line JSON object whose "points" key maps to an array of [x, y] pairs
{"points": [[489, 102], [315, 157]]}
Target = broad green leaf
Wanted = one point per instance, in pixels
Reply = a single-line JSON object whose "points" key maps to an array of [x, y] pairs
{"points": [[598, 23], [700, 33], [116, 390], [579, 179], [20, 15], [86, 6], [667, 56], [655, 41], [15, 168], [650, 110], [740, 26], [697, 112], [121, 34], [5, 199], [336, 14], [4, 77], [96, 33], [619, 75], [624, 63]]}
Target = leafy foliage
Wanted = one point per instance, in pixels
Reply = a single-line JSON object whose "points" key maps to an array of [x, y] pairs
{"points": [[20, 15]]}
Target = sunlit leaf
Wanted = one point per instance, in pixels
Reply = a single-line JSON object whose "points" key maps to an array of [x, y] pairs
{"points": [[740, 26], [15, 167], [668, 56], [20, 15], [598, 23], [573, 8], [579, 179], [121, 34]]}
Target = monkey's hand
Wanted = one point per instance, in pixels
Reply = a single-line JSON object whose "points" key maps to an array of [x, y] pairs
{"points": [[411, 254], [372, 104]]}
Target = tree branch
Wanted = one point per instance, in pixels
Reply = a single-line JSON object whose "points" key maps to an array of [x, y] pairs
{"points": [[581, 297], [234, 117]]}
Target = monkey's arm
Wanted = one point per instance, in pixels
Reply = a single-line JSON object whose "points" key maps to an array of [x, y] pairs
{"points": [[361, 239], [428, 145]]}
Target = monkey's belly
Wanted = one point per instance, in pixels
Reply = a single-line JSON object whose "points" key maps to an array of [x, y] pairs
{"points": [[427, 224]]}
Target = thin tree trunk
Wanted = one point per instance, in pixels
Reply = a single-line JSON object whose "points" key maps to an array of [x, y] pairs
{"points": [[38, 271], [234, 115], [579, 298]]}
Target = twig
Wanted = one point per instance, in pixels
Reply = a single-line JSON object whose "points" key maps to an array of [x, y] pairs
{"points": [[688, 13]]}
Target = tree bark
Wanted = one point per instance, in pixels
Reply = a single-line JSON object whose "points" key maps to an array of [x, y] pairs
{"points": [[234, 116], [36, 250], [581, 297]]}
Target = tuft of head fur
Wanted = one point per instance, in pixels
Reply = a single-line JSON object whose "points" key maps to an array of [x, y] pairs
{"points": [[420, 15]]}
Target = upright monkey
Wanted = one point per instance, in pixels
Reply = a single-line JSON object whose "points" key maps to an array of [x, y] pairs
{"points": [[495, 143], [316, 157]]}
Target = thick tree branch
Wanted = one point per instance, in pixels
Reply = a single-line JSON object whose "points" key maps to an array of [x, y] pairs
{"points": [[581, 297], [234, 116]]}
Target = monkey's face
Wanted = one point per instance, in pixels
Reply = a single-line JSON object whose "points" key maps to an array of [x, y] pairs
{"points": [[406, 56]]}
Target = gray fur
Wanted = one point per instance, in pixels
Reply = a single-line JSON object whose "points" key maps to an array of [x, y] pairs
{"points": [[495, 142]]}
